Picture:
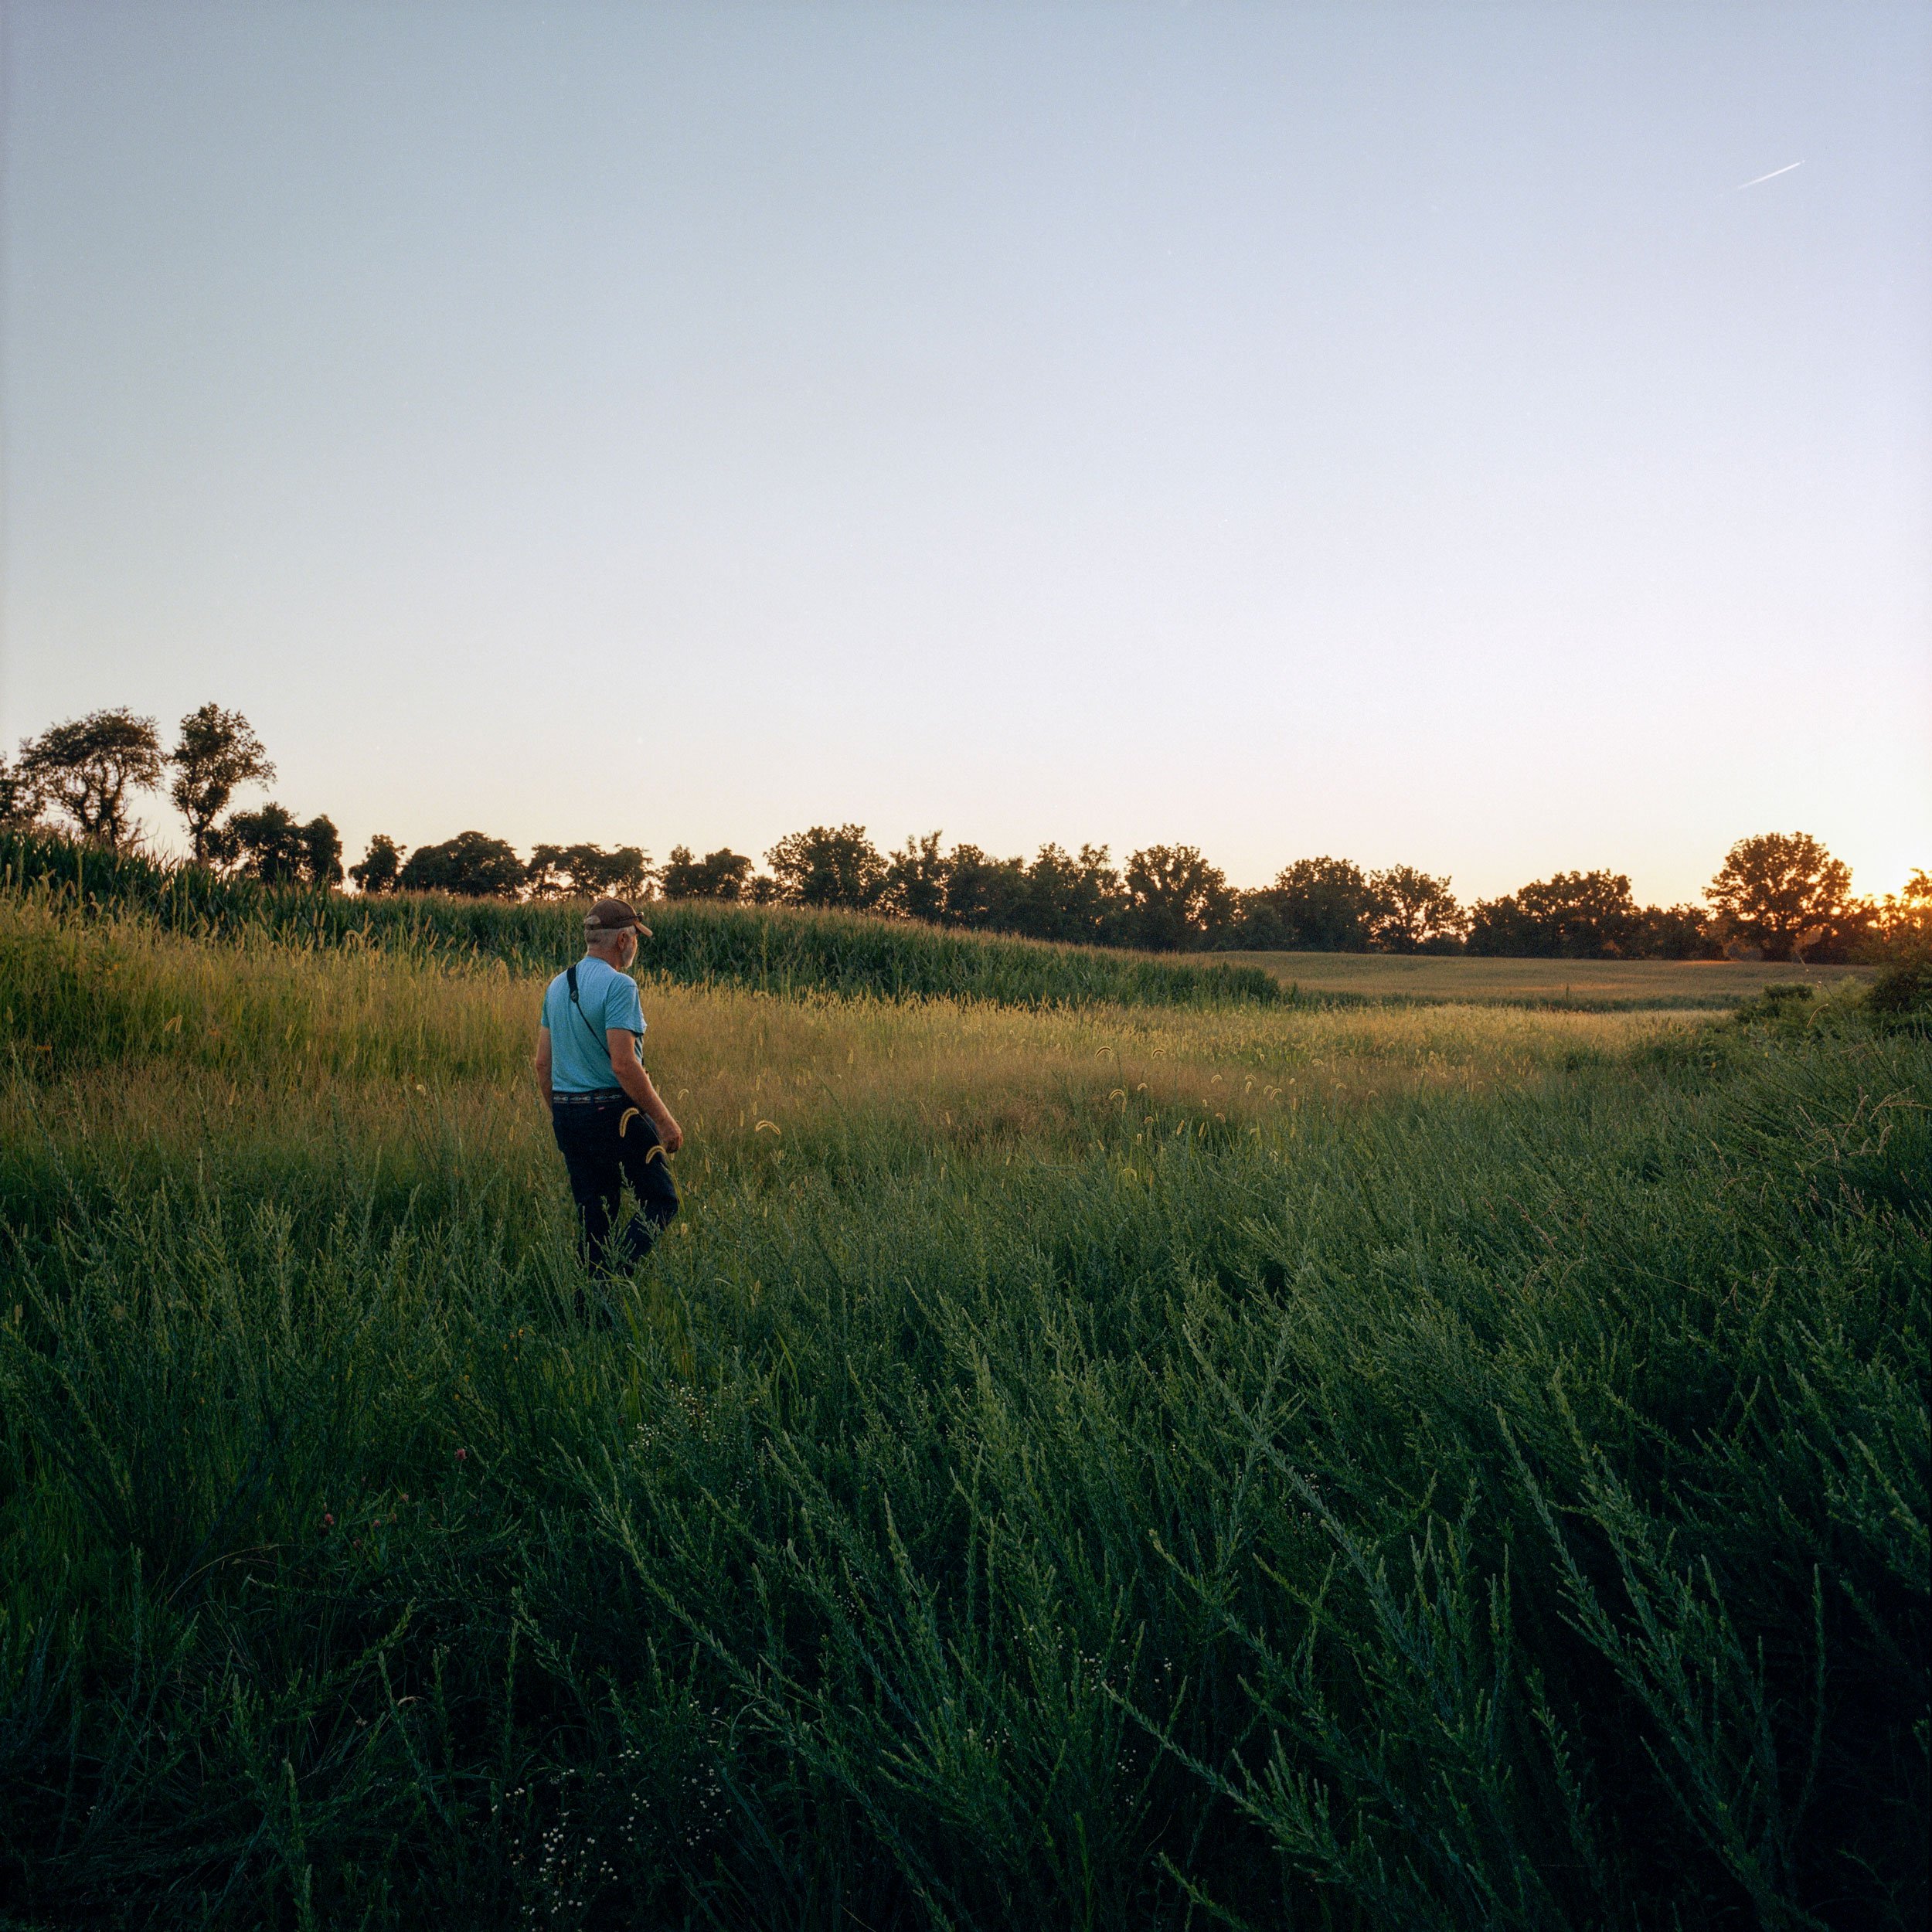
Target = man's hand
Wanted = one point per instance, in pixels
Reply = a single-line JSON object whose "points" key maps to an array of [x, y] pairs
{"points": [[628, 1065]]}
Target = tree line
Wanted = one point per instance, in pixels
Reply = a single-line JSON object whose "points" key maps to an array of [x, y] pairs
{"points": [[1777, 896]]}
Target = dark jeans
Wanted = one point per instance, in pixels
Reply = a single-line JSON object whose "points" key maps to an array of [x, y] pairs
{"points": [[605, 1145]]}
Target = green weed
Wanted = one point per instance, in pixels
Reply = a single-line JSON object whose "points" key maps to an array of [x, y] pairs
{"points": [[1104, 1468]]}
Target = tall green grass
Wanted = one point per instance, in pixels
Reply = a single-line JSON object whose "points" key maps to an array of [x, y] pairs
{"points": [[1489, 1506], [773, 950]]}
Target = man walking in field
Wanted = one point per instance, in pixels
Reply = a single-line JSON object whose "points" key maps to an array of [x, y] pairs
{"points": [[610, 1122]]}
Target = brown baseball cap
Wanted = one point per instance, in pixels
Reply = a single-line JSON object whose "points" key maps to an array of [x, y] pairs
{"points": [[613, 916]]}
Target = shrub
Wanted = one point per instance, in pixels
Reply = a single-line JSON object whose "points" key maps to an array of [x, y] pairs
{"points": [[1903, 992]]}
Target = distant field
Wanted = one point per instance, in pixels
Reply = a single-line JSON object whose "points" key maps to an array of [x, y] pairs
{"points": [[1710, 984]]}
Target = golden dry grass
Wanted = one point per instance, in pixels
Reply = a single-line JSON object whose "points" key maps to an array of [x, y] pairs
{"points": [[135, 1040]]}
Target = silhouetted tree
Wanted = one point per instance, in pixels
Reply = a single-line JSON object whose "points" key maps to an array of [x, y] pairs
{"points": [[683, 875], [547, 875], [471, 865], [723, 874], [1500, 929], [915, 879], [216, 753], [1315, 906], [21, 801], [1674, 932], [983, 893], [1174, 898], [1071, 898], [322, 852], [625, 870], [824, 867], [587, 871], [727, 873], [1784, 893], [88, 766], [381, 866], [1899, 925], [1414, 913], [1573, 915], [269, 844]]}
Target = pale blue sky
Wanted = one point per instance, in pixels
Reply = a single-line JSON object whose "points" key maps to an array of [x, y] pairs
{"points": [[1380, 430]]}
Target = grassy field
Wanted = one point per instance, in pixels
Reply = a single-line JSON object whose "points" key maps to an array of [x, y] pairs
{"points": [[1096, 1465], [1606, 985]]}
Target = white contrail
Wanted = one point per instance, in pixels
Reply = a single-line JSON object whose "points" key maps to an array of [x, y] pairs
{"points": [[1772, 176]]}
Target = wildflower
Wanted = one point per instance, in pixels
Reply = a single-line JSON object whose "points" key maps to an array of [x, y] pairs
{"points": [[462, 1455], [328, 1521]]}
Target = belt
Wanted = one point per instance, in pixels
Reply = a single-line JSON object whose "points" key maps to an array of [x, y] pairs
{"points": [[602, 1097]]}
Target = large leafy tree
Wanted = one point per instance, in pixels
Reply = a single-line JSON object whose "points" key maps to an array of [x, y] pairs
{"points": [[1414, 913], [1071, 895], [382, 865], [267, 844], [1783, 893], [471, 865], [1059, 896], [272, 846], [985, 893], [88, 766], [587, 872], [1315, 906], [915, 879], [828, 866], [1901, 922], [1174, 898], [722, 874], [1573, 915], [21, 799], [322, 852], [217, 753], [1674, 932]]}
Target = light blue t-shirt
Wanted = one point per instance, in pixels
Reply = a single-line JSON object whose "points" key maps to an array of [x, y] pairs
{"points": [[579, 1060]]}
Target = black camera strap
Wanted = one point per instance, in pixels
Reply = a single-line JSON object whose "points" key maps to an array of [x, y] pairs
{"points": [[570, 973]]}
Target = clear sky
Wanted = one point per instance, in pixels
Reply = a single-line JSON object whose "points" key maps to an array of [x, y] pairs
{"points": [[1391, 431]]}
